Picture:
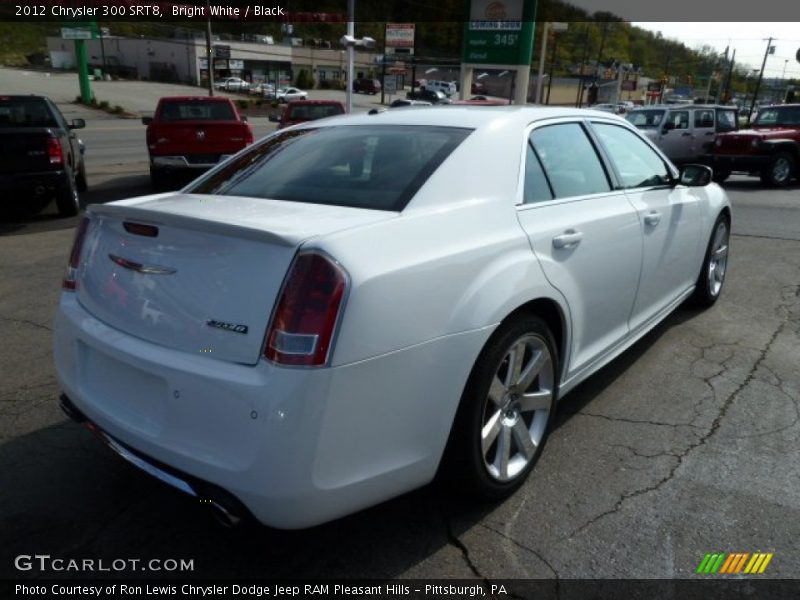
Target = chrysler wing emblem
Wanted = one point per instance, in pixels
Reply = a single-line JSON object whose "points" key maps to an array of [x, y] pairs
{"points": [[201, 135], [140, 268]]}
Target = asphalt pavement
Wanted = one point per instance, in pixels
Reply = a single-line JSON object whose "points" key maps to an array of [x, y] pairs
{"points": [[688, 443]]}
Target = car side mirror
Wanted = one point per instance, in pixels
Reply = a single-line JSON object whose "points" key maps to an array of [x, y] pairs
{"points": [[77, 124], [244, 118], [696, 175], [273, 118], [667, 127], [147, 120]]}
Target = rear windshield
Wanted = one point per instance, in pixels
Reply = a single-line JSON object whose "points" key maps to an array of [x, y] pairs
{"points": [[197, 111], [644, 119], [778, 116], [25, 112], [364, 166], [311, 112]]}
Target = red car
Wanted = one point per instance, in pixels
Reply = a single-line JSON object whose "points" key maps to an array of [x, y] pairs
{"points": [[300, 111], [770, 148], [191, 134]]}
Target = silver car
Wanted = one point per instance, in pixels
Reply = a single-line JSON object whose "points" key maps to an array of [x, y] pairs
{"points": [[686, 133]]}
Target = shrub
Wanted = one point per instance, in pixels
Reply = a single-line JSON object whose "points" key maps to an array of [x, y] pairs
{"points": [[118, 110], [104, 105]]}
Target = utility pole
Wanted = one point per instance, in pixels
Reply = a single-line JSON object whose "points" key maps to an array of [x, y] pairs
{"points": [[579, 98], [351, 52], [542, 56], [210, 58], [730, 75], [383, 66], [666, 74], [758, 82], [552, 65]]}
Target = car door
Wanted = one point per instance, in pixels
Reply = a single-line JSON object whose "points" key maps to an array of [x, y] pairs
{"points": [[702, 132], [585, 234], [676, 137], [670, 217]]}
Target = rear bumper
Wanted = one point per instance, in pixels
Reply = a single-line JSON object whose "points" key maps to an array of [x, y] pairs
{"points": [[184, 163], [738, 162], [39, 184], [297, 447]]}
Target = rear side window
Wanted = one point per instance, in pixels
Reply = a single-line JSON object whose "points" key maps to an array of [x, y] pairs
{"points": [[25, 112], [570, 161], [678, 120], [365, 166], [704, 119], [537, 188], [726, 121], [197, 111]]}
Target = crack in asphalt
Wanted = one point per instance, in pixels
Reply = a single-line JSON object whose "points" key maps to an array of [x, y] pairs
{"points": [[701, 441], [26, 322], [634, 421], [519, 544]]}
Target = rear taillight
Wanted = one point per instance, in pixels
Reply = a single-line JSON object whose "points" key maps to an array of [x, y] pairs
{"points": [[248, 136], [70, 282], [54, 151], [308, 309]]}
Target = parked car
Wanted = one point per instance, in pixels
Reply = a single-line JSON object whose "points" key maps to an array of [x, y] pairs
{"points": [[431, 96], [260, 89], [609, 108], [685, 133], [232, 84], [448, 88], [770, 148], [400, 102], [367, 86], [41, 158], [191, 134], [478, 87], [292, 373], [480, 101], [299, 111], [288, 94]]}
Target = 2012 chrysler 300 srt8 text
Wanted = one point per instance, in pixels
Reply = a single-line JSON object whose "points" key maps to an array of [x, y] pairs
{"points": [[347, 307]]}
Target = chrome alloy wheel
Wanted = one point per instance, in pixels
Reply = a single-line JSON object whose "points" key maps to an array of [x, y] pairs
{"points": [[517, 408], [718, 262], [781, 169]]}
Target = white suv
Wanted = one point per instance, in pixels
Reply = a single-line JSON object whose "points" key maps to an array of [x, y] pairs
{"points": [[446, 87]]}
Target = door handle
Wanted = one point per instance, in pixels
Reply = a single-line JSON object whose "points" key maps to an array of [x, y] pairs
{"points": [[569, 239], [652, 218]]}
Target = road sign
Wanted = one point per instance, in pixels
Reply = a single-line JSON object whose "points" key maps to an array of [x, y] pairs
{"points": [[499, 32], [797, 56], [390, 84], [76, 33], [399, 38]]}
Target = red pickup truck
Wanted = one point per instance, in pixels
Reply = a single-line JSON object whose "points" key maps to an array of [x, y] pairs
{"points": [[770, 148], [191, 134]]}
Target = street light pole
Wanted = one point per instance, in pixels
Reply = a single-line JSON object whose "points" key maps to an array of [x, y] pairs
{"points": [[351, 31], [209, 58], [758, 83]]}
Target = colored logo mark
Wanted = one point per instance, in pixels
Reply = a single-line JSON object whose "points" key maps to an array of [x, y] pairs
{"points": [[732, 563]]}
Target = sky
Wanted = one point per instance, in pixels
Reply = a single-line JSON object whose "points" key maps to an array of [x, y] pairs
{"points": [[749, 39]]}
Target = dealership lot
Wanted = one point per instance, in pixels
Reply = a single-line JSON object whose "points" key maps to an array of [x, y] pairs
{"points": [[686, 444]]}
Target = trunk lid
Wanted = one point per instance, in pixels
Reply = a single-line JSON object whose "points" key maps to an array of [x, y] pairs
{"points": [[208, 281]]}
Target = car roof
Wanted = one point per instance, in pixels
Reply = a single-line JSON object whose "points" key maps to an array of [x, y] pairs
{"points": [[473, 117], [194, 99]]}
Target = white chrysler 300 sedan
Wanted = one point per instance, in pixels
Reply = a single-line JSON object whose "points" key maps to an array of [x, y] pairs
{"points": [[344, 309]]}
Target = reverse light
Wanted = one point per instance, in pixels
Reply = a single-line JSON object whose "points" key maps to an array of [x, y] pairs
{"points": [[302, 328], [70, 282], [54, 151]]}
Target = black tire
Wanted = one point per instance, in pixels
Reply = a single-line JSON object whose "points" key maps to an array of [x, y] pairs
{"points": [[80, 181], [782, 167], [707, 293], [466, 462], [720, 175], [68, 201], [158, 180]]}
